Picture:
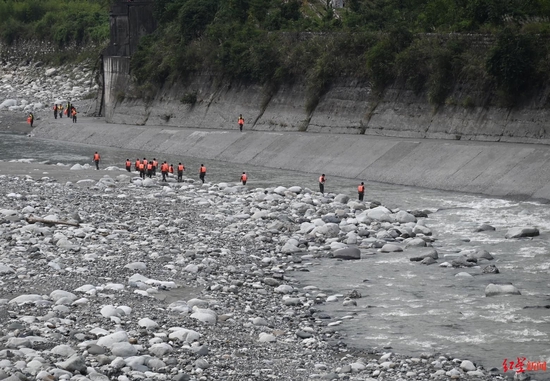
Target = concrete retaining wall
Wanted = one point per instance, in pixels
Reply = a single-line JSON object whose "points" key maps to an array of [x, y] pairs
{"points": [[499, 169]]}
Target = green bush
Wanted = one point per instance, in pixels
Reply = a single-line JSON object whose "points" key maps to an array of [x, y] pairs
{"points": [[78, 21], [512, 63]]}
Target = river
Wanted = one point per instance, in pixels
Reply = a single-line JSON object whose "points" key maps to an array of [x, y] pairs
{"points": [[409, 307]]}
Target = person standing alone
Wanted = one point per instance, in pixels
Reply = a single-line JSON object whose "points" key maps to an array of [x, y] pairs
{"points": [[241, 122], [244, 177], [322, 181], [181, 168], [361, 191], [202, 173], [30, 119], [97, 158]]}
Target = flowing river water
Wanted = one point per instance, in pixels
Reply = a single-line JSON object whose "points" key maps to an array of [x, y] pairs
{"points": [[409, 307]]}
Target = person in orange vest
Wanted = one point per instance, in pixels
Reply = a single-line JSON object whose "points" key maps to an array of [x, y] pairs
{"points": [[30, 119], [164, 170], [150, 169], [155, 165], [55, 111], [322, 181], [202, 172], [142, 169], [361, 191], [128, 165], [241, 122], [244, 177], [171, 169], [137, 165], [181, 168], [96, 159], [73, 113], [144, 161]]}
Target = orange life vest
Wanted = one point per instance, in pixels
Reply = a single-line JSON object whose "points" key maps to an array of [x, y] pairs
{"points": [[181, 167], [361, 188], [137, 163], [73, 113], [164, 167], [150, 166], [241, 121], [203, 169], [96, 156], [155, 163], [171, 169], [144, 161], [243, 177], [322, 179], [128, 163], [141, 166]]}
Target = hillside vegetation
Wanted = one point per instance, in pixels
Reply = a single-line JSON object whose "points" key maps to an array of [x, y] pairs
{"points": [[423, 45], [62, 22]]}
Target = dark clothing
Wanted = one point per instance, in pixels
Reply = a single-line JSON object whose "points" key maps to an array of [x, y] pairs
{"points": [[180, 176], [55, 113], [244, 182], [164, 174], [142, 173], [97, 164], [361, 195], [321, 187], [201, 176], [129, 168]]}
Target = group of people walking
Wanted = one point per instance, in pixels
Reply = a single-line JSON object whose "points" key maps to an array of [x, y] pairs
{"points": [[69, 110], [149, 168]]}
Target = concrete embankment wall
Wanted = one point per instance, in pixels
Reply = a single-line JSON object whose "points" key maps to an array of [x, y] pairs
{"points": [[348, 107], [499, 169]]}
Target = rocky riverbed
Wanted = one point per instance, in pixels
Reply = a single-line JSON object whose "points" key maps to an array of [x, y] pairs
{"points": [[32, 86], [132, 279]]}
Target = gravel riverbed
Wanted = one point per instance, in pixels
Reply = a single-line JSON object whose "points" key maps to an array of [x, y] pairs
{"points": [[185, 281]]}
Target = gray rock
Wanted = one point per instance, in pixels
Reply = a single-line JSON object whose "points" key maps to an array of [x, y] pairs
{"points": [[501, 289], [272, 282], [404, 217], [428, 261], [490, 269], [522, 232], [95, 349], [391, 248], [415, 242], [482, 254], [463, 261], [349, 253], [123, 349], [484, 228], [74, 363], [341, 198], [423, 253]]}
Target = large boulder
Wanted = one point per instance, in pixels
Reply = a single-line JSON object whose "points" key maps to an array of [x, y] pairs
{"points": [[501, 289], [522, 232], [348, 253], [404, 217], [422, 253], [391, 248]]}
